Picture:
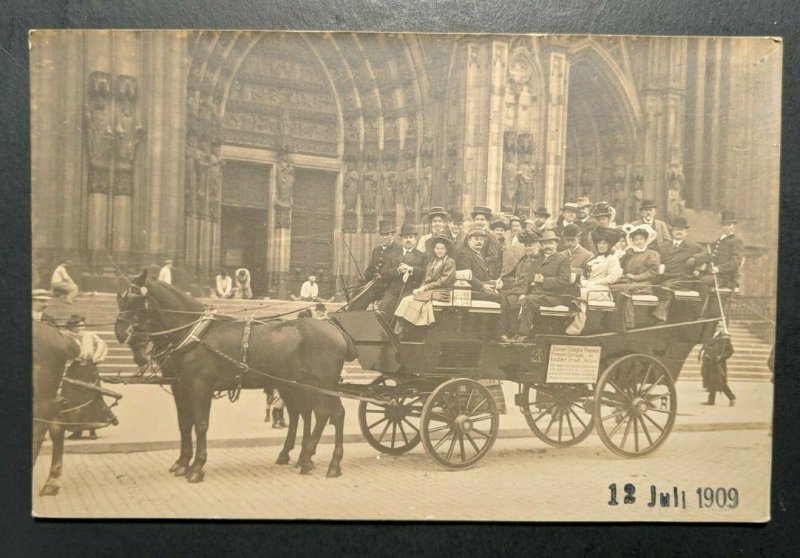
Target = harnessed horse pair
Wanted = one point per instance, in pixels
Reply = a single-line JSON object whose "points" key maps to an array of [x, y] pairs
{"points": [[205, 353]]}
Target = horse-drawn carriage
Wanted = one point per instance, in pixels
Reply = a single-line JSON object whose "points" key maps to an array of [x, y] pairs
{"points": [[617, 381], [432, 388]]}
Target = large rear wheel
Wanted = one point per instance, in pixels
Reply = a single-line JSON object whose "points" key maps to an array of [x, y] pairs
{"points": [[635, 405], [459, 423]]}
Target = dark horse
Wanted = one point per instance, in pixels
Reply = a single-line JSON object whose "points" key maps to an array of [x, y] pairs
{"points": [[51, 351], [203, 353]]}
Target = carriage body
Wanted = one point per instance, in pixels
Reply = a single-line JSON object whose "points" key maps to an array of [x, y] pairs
{"points": [[568, 385]]}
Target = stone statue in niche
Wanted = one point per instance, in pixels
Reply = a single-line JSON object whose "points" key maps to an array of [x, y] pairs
{"points": [[100, 132], [215, 164], [128, 134], [190, 185], [675, 181], [370, 194], [425, 184], [283, 194], [351, 180], [510, 179], [388, 191], [525, 171], [409, 189]]}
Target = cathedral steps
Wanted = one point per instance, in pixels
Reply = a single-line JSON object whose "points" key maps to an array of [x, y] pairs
{"points": [[749, 362]]}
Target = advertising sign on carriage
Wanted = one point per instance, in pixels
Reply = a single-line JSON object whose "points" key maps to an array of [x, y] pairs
{"points": [[573, 364]]}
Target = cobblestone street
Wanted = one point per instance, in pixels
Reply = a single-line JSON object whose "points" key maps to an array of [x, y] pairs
{"points": [[521, 479]]}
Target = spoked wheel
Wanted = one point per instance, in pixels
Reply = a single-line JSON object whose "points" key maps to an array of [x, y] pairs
{"points": [[459, 423], [558, 413], [391, 428], [635, 405]]}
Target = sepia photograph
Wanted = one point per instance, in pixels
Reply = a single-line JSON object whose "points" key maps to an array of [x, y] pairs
{"points": [[403, 276]]}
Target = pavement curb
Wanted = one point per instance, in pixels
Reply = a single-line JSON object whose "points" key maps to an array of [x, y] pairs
{"points": [[274, 441]]}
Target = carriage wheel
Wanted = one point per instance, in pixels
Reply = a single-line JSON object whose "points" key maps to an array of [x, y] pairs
{"points": [[559, 414], [459, 423], [393, 427], [635, 405]]}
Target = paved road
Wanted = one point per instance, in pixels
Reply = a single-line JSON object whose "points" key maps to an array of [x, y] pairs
{"points": [[520, 480]]}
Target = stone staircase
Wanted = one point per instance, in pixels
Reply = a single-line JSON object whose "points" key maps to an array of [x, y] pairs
{"points": [[749, 362]]}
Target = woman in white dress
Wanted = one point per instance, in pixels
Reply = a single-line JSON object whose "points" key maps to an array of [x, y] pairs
{"points": [[600, 272], [417, 308]]}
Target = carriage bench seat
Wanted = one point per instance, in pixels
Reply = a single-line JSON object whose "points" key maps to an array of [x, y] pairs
{"points": [[687, 295], [643, 299], [601, 305], [475, 306], [560, 310]]}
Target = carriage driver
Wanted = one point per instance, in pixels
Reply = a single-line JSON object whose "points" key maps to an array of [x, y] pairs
{"points": [[551, 278], [384, 259]]}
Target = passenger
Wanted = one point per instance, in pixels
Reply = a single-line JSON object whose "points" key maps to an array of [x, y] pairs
{"points": [[483, 287], [603, 214], [600, 272], [639, 269], [540, 221], [678, 260], [417, 308], [407, 275], [585, 221], [513, 249], [568, 215], [491, 248], [647, 211], [577, 254], [514, 285], [456, 224], [438, 219], [551, 277]]}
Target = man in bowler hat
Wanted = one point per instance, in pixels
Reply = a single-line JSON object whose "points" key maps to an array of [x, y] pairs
{"points": [[407, 275], [647, 213]]}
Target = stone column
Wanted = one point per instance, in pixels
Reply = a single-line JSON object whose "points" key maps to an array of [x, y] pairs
{"points": [[556, 133], [494, 174], [128, 130], [100, 136]]}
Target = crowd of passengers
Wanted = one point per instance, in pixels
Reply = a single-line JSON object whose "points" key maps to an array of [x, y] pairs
{"points": [[526, 264]]}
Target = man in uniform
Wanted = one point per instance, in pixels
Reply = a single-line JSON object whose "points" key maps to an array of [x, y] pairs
{"points": [[483, 287], [407, 275], [384, 259], [647, 212], [585, 221], [551, 277], [438, 219], [727, 253], [678, 258]]}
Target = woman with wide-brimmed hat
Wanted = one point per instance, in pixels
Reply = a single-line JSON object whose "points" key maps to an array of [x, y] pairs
{"points": [[639, 267], [599, 274], [417, 308]]}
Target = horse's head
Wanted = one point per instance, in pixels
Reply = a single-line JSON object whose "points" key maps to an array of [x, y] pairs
{"points": [[135, 318]]}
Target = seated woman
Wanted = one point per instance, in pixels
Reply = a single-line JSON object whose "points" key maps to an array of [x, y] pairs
{"points": [[639, 268], [417, 308], [224, 287], [601, 271]]}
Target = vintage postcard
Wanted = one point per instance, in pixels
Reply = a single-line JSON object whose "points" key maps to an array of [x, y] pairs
{"points": [[318, 275]]}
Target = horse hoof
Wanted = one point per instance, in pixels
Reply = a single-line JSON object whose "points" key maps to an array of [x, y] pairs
{"points": [[306, 468], [282, 460], [334, 472], [195, 476], [179, 470], [49, 490]]}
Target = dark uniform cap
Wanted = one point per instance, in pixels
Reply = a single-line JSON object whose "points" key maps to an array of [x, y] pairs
{"points": [[385, 227], [728, 217], [647, 204], [456, 216], [680, 222]]}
